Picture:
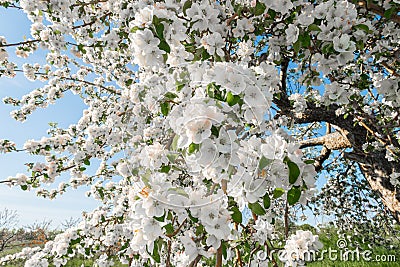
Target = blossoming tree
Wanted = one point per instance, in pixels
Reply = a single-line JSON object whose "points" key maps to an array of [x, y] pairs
{"points": [[200, 111]]}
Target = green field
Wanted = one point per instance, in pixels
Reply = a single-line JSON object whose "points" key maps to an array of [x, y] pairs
{"points": [[328, 237]]}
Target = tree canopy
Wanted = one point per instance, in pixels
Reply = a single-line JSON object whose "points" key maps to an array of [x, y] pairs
{"points": [[209, 122]]}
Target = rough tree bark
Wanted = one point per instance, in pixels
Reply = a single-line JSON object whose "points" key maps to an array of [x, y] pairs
{"points": [[351, 134], [375, 167]]}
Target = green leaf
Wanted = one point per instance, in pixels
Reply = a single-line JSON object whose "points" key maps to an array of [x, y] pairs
{"points": [[266, 201], [328, 48], [75, 241], [305, 40], [278, 192], [194, 219], [309, 161], [165, 169], [297, 46], [82, 169], [186, 6], [193, 147], [81, 48], [134, 29], [156, 254], [169, 229], [163, 45], [86, 162], [232, 99], [199, 229], [294, 171], [165, 108], [224, 247], [160, 31], [165, 57], [388, 13], [272, 14], [362, 27], [174, 144], [160, 219], [214, 131], [170, 95], [204, 54], [169, 216], [101, 193], [259, 9], [293, 195], [146, 177], [155, 20], [129, 82], [236, 215], [263, 163], [360, 45], [24, 187], [313, 27], [179, 86], [172, 157], [256, 208]]}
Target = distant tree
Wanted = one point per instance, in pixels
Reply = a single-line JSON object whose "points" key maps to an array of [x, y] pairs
{"points": [[8, 233], [70, 222], [38, 232]]}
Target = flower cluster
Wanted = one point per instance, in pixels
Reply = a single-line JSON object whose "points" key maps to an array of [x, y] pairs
{"points": [[300, 248], [6, 146]]}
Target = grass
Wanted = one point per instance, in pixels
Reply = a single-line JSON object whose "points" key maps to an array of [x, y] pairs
{"points": [[328, 237], [78, 262]]}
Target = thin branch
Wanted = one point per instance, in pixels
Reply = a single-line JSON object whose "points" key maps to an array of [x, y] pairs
{"points": [[195, 261], [286, 220], [219, 257], [168, 261], [20, 43], [318, 161], [269, 253], [239, 257], [93, 84], [390, 69], [178, 229], [91, 22], [252, 253], [374, 8]]}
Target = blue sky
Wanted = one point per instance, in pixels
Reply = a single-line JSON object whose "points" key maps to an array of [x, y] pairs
{"points": [[14, 26]]}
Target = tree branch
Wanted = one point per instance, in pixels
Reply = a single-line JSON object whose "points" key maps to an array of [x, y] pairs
{"points": [[332, 141], [20, 43], [195, 261], [325, 153], [219, 257], [378, 10]]}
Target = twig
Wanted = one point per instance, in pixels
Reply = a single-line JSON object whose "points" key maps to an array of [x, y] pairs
{"points": [[195, 261], [252, 253], [219, 257], [20, 43], [286, 220], [239, 257], [177, 230]]}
